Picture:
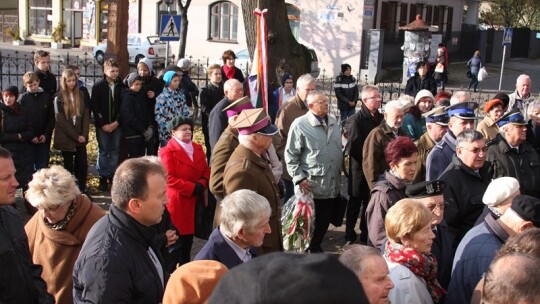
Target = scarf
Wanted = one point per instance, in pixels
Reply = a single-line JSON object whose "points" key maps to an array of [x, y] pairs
{"points": [[229, 72], [61, 225], [421, 264], [188, 147]]}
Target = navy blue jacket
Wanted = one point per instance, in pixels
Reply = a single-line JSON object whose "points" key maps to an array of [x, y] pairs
{"points": [[442, 250], [464, 191], [218, 249], [218, 121], [114, 265], [441, 156], [473, 257], [39, 108], [134, 116]]}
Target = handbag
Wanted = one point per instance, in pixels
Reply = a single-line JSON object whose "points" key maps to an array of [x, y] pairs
{"points": [[439, 68], [469, 74], [482, 74], [204, 216]]}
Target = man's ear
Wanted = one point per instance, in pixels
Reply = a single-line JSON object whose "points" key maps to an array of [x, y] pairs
{"points": [[525, 225], [134, 206]]}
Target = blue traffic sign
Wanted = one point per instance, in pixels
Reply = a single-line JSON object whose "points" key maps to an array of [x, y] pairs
{"points": [[170, 28], [507, 37]]}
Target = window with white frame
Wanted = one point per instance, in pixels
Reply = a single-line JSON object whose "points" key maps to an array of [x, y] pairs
{"points": [[223, 22], [40, 17]]}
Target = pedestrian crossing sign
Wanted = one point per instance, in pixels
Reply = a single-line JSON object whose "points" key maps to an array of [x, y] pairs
{"points": [[170, 28]]}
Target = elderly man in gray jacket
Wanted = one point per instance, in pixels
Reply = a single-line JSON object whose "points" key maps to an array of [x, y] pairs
{"points": [[313, 158]]}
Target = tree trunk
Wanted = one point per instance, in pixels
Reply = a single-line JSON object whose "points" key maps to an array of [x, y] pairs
{"points": [[117, 30], [183, 9], [285, 54]]}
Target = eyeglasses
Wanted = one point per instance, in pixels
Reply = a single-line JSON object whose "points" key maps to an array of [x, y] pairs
{"points": [[476, 150]]}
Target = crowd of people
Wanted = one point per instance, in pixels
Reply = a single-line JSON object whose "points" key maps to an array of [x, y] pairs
{"points": [[448, 208]]}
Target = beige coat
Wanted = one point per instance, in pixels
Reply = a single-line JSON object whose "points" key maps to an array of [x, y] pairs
{"points": [[488, 128], [57, 251]]}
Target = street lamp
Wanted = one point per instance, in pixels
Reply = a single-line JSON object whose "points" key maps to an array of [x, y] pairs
{"points": [[168, 3]]}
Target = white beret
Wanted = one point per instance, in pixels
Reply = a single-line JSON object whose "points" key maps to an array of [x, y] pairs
{"points": [[499, 190]]}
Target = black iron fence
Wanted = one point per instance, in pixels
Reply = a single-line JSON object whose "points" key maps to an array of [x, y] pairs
{"points": [[13, 66]]}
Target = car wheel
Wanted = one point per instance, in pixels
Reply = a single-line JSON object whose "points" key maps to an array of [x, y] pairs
{"points": [[138, 58], [100, 57]]}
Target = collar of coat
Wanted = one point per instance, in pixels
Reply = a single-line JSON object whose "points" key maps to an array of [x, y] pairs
{"points": [[137, 231], [299, 102], [482, 172]]}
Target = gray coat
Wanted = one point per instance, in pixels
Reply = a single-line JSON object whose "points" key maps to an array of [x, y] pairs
{"points": [[313, 151], [475, 64]]}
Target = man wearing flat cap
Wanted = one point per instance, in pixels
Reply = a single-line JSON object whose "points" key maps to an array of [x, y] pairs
{"points": [[247, 169], [479, 246], [498, 197], [314, 158], [430, 193], [462, 118], [436, 126], [511, 155]]}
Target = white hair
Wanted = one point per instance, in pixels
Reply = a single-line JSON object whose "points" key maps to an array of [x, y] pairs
{"points": [[367, 89], [522, 77], [459, 96], [311, 97], [245, 140], [229, 84], [304, 81], [393, 105], [242, 209], [52, 187]]}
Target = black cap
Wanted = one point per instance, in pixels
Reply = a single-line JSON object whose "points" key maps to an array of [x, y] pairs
{"points": [[178, 121], [504, 98], [13, 90], [528, 208], [425, 189], [344, 67], [290, 278]]}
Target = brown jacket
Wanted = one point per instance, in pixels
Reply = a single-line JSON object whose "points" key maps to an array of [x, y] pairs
{"points": [[57, 251], [225, 146], [66, 132], [384, 195], [285, 117], [489, 128], [424, 145], [246, 170], [374, 163]]}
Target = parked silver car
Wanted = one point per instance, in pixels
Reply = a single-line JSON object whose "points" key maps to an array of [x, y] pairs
{"points": [[139, 46]]}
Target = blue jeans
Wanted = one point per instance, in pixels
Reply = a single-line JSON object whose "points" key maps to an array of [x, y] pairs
{"points": [[346, 113], [108, 151], [40, 155]]}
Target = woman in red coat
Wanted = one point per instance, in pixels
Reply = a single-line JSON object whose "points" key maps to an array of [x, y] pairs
{"points": [[187, 179]]}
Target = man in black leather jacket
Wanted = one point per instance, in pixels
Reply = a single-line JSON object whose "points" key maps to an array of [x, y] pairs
{"points": [[20, 279]]}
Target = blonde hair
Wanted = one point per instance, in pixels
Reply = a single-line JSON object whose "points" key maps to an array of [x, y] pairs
{"points": [[406, 218], [213, 67], [51, 187], [30, 77], [72, 103]]}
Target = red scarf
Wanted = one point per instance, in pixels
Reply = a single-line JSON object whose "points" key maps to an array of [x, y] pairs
{"points": [[229, 72], [422, 265]]}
